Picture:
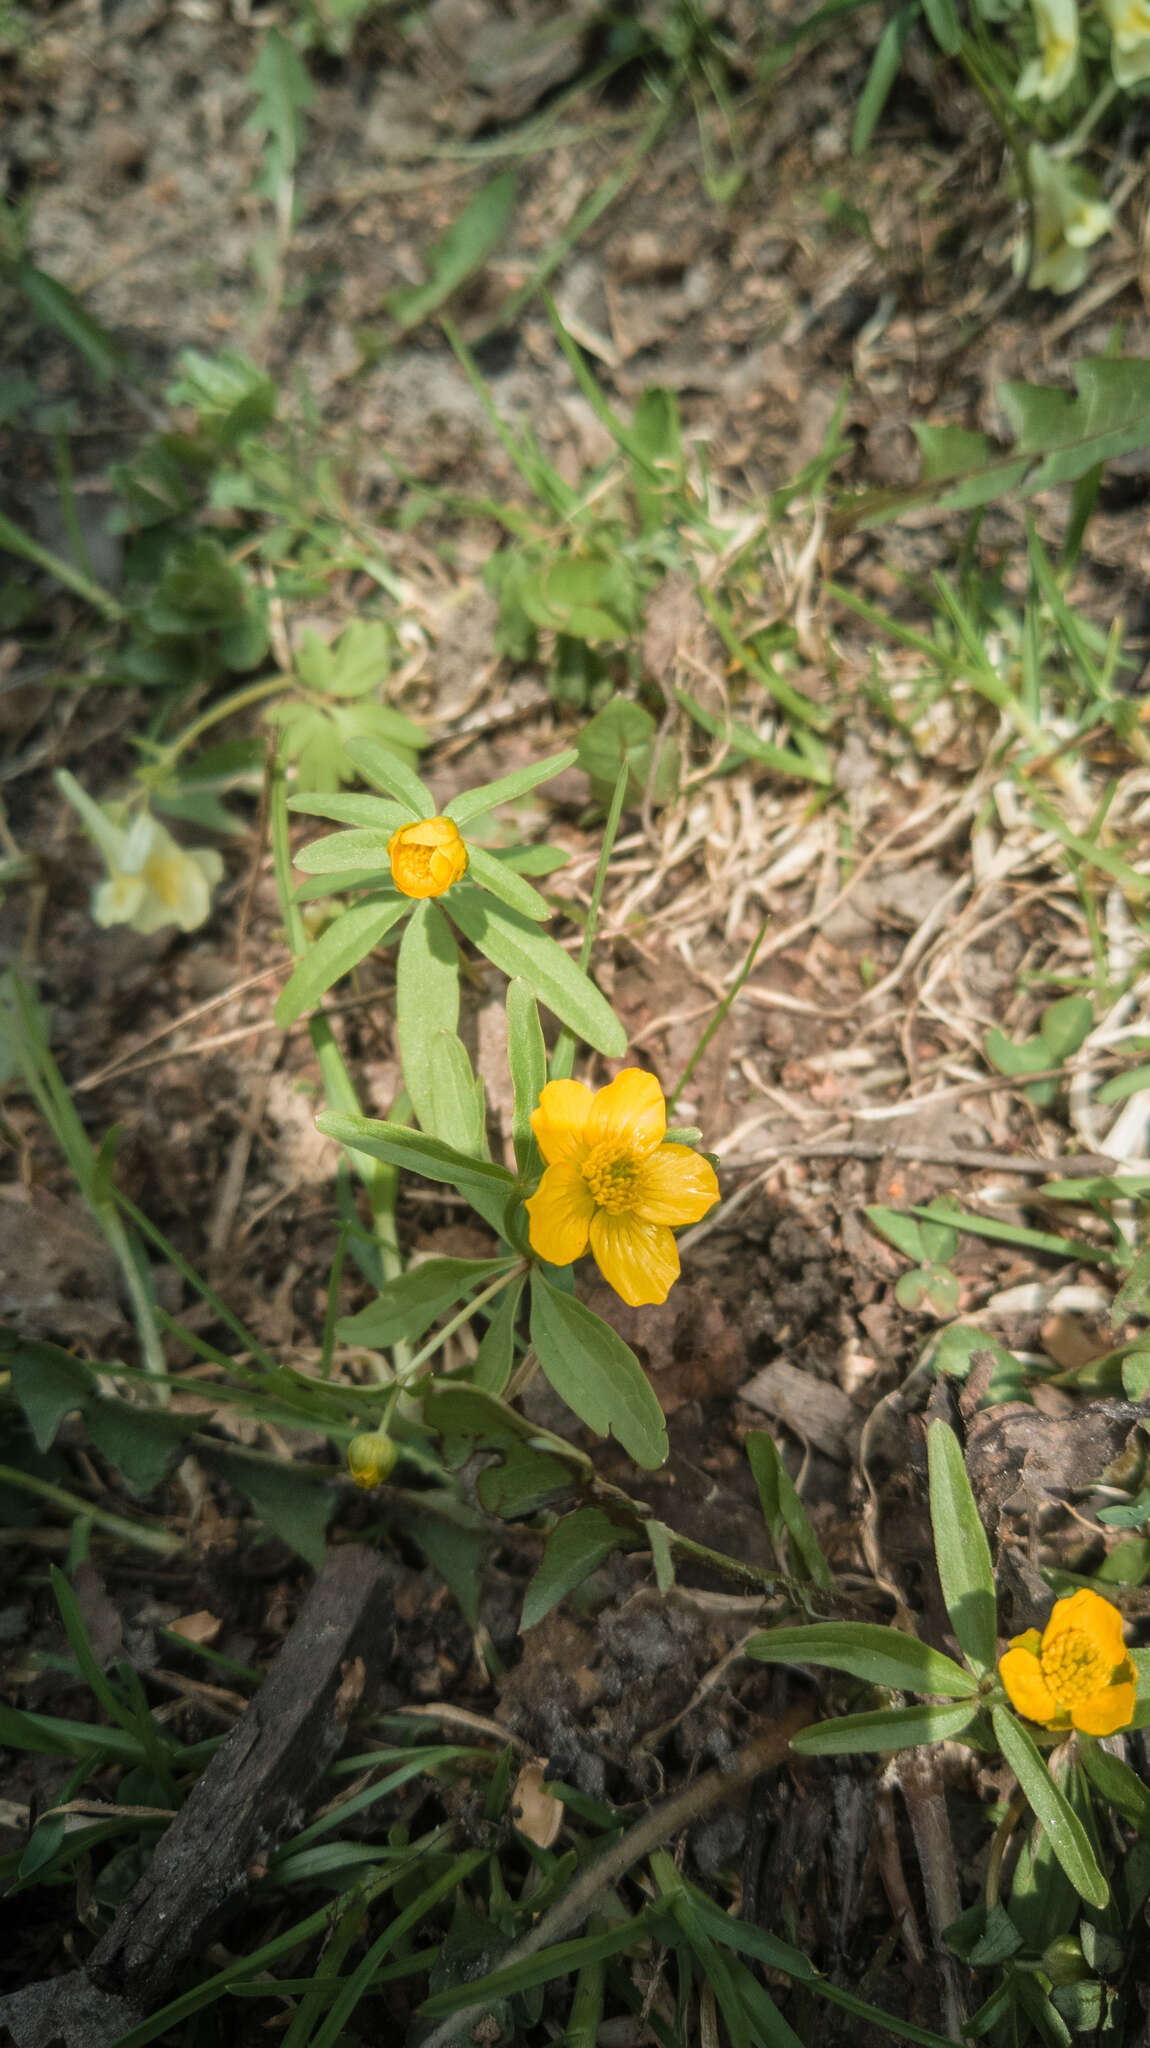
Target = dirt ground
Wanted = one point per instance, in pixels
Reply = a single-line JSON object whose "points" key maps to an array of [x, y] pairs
{"points": [[849, 1071]]}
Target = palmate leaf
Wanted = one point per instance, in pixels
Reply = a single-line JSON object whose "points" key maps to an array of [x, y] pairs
{"points": [[1059, 436], [518, 948]]}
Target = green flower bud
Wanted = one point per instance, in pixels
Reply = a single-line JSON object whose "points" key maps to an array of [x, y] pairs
{"points": [[1063, 1960], [371, 1459]]}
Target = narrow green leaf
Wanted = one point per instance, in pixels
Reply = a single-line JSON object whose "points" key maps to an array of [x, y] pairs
{"points": [[339, 852], [410, 1303], [519, 949], [457, 1099], [575, 1548], [465, 247], [352, 936], [894, 1728], [398, 1146], [1064, 1830], [472, 803], [884, 69], [783, 1511], [963, 1553], [597, 1375], [527, 1059], [426, 1004], [59, 307], [881, 1656], [496, 1354], [349, 807], [385, 769], [503, 882], [1121, 1787]]}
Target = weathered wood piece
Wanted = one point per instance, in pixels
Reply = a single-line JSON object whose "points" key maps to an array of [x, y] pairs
{"points": [[255, 1790]]}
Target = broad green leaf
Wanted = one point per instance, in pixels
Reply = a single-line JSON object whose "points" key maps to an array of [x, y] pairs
{"points": [[142, 1443], [1064, 1830], [783, 1511], [1136, 1375], [503, 882], [947, 451], [48, 1385], [597, 1375], [472, 803], [880, 1656], [575, 1548], [344, 807], [426, 1004], [496, 1355], [939, 1239], [338, 851], [519, 949], [465, 247], [297, 1508], [414, 1150], [1065, 1026], [1122, 1086], [527, 1059], [894, 1728], [901, 1231], [625, 732], [410, 1303], [525, 1481], [455, 1553], [385, 769], [662, 1554], [352, 936], [963, 1553]]}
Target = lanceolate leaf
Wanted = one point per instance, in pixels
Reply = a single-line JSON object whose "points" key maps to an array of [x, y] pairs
{"points": [[338, 851], [575, 1548], [348, 807], [398, 1146], [390, 774], [1064, 1830], [527, 1058], [881, 1656], [410, 1303], [517, 947], [502, 881], [341, 947], [897, 1728], [597, 1375], [426, 1003], [963, 1553], [474, 802]]}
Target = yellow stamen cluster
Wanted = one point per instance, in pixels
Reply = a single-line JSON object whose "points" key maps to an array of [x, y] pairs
{"points": [[1078, 1673]]}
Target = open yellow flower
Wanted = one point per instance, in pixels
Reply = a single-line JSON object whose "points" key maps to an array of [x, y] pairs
{"points": [[1077, 1674], [613, 1184], [426, 858]]}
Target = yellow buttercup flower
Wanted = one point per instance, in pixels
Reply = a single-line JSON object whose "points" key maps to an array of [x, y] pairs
{"points": [[427, 858], [1077, 1674], [613, 1184], [371, 1458]]}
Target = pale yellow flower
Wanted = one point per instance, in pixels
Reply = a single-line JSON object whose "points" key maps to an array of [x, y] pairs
{"points": [[1050, 72], [1129, 25], [1078, 1673], [1068, 218], [152, 881], [613, 1184], [427, 857]]}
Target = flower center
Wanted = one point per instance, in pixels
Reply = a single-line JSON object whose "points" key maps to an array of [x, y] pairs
{"points": [[1074, 1667], [612, 1176]]}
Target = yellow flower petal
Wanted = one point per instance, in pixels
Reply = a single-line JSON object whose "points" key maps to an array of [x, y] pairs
{"points": [[560, 1210], [1095, 1617], [427, 857], [631, 1111], [1110, 1710], [1021, 1674], [639, 1260], [560, 1122], [676, 1185]]}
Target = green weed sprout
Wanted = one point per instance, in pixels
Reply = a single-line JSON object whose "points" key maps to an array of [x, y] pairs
{"points": [[1044, 1706]]}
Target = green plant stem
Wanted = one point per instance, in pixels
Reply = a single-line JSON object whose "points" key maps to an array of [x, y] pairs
{"points": [[463, 1316], [563, 1058], [158, 1540], [20, 543], [1072, 144], [998, 1847], [253, 693], [719, 1016]]}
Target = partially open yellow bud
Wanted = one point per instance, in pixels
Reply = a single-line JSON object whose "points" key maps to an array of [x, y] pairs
{"points": [[427, 858], [371, 1459]]}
